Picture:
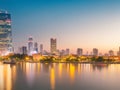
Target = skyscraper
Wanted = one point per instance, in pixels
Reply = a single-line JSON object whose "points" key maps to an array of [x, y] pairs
{"points": [[95, 52], [24, 50], [36, 47], [67, 51], [41, 48], [118, 53], [79, 51], [30, 46], [111, 53], [5, 33], [62, 53], [53, 45]]}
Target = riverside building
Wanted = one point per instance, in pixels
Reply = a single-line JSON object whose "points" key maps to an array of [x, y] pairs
{"points": [[53, 45], [6, 46]]}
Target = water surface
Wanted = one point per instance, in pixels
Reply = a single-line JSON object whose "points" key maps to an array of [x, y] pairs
{"points": [[59, 76]]}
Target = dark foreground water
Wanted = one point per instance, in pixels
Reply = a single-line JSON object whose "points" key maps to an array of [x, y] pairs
{"points": [[59, 76]]}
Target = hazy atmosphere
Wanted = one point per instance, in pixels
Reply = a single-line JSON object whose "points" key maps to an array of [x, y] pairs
{"points": [[76, 24]]}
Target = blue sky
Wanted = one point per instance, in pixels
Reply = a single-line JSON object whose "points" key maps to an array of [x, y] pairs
{"points": [[76, 24]]}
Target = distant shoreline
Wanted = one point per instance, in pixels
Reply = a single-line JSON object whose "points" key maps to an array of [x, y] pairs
{"points": [[86, 62], [68, 62]]}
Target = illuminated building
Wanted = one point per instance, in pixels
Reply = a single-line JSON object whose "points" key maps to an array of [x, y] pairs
{"points": [[95, 52], [79, 52], [36, 57], [53, 43], [30, 46], [5, 33]]}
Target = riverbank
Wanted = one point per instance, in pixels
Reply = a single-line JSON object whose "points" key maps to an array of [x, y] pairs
{"points": [[83, 62], [86, 62]]}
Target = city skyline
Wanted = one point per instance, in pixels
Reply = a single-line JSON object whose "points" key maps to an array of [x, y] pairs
{"points": [[85, 24], [34, 48]]}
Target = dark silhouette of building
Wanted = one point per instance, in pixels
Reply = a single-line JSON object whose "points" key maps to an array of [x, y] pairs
{"points": [[36, 47], [67, 51], [41, 48], [24, 50], [95, 52], [30, 46], [79, 51], [53, 45], [118, 53], [111, 53]]}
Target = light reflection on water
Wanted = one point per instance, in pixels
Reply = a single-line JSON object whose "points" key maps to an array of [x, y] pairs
{"points": [[59, 76], [52, 78], [7, 77]]}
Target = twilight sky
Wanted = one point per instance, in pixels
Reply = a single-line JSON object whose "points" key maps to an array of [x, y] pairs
{"points": [[76, 24]]}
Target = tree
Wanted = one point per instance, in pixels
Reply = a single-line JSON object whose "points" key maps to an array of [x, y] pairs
{"points": [[100, 59]]}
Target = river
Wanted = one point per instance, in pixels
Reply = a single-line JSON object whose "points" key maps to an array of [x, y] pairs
{"points": [[59, 76]]}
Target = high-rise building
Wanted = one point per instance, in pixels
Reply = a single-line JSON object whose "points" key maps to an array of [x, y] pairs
{"points": [[30, 46], [111, 53], [41, 48], [5, 33], [95, 52], [53, 45], [79, 51], [24, 50], [36, 47], [67, 51], [118, 53], [62, 53]]}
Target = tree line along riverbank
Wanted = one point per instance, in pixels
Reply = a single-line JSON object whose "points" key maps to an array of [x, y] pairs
{"points": [[62, 59]]}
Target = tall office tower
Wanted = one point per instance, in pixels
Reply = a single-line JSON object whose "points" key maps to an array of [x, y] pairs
{"points": [[111, 53], [53, 43], [118, 53], [79, 51], [24, 50], [41, 48], [5, 33], [36, 47], [62, 53], [67, 51], [95, 52], [30, 46]]}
